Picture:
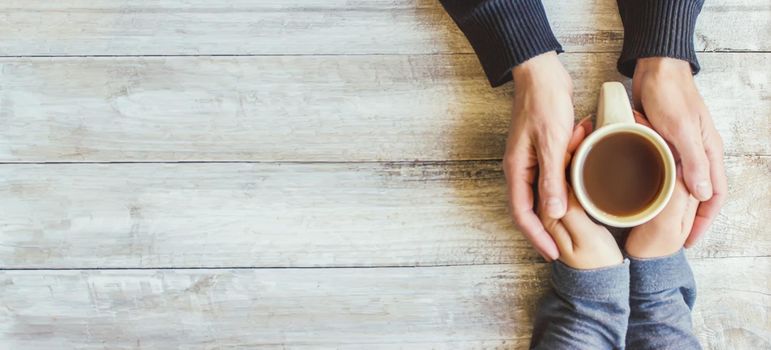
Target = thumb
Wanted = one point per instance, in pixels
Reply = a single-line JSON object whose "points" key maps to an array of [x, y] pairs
{"points": [[551, 182], [695, 165]]}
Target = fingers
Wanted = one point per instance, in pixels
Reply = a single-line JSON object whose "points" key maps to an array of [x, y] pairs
{"points": [[520, 176], [535, 233], [552, 151], [708, 211], [677, 217], [673, 212], [689, 216], [582, 129], [559, 233], [640, 118], [578, 223], [696, 167], [705, 215]]}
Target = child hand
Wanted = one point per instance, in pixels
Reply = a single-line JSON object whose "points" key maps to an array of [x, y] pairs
{"points": [[667, 232], [582, 243]]}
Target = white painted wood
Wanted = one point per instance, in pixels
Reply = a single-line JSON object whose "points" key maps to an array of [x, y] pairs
{"points": [[444, 307], [201, 27], [280, 215], [340, 108], [386, 80]]}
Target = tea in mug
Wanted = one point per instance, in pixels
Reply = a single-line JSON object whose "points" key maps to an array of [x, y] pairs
{"points": [[623, 174]]}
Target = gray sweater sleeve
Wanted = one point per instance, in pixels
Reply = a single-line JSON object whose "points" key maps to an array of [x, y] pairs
{"points": [[662, 293], [586, 309], [641, 304]]}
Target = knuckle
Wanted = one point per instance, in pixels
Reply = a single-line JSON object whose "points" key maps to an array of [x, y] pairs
{"points": [[552, 182], [548, 184]]}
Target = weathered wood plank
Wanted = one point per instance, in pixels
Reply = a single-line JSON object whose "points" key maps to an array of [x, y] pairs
{"points": [[184, 27], [310, 108], [467, 307], [281, 215]]}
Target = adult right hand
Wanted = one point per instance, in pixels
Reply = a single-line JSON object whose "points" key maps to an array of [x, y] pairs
{"points": [[541, 126], [665, 90]]}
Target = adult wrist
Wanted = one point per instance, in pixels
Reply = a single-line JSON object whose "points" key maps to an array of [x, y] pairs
{"points": [[666, 65], [536, 64], [545, 68]]}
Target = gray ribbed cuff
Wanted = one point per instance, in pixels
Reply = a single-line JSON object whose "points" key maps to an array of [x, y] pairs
{"points": [[505, 33], [658, 28], [658, 274], [596, 284]]}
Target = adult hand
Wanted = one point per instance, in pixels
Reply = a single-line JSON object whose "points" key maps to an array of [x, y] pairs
{"points": [[542, 121], [665, 90]]}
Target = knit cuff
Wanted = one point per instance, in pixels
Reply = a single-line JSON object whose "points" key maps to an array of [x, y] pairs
{"points": [[505, 33], [607, 283], [659, 274], [658, 28]]}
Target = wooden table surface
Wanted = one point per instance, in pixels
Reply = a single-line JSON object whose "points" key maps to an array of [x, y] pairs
{"points": [[197, 174]]}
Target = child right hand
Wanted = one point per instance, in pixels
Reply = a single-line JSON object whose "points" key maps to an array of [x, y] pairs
{"points": [[582, 243], [667, 232]]}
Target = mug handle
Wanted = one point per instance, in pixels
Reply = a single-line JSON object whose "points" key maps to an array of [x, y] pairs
{"points": [[613, 105]]}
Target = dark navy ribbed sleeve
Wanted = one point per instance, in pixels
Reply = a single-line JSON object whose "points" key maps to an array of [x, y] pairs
{"points": [[503, 33], [658, 28]]}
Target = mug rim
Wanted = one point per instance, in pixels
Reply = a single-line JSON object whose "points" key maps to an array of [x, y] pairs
{"points": [[661, 199]]}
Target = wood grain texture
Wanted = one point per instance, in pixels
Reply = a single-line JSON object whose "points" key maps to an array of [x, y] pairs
{"points": [[238, 27], [349, 108], [333, 102], [297, 215], [444, 307]]}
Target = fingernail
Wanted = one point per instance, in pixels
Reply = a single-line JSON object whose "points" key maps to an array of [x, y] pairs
{"points": [[702, 188], [554, 208]]}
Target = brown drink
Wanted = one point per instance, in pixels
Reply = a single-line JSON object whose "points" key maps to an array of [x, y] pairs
{"points": [[623, 173]]}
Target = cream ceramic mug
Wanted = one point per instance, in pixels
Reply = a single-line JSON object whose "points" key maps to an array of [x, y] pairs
{"points": [[614, 115]]}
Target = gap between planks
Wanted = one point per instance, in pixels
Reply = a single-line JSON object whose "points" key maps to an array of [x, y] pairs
{"points": [[336, 54], [197, 215], [330, 162], [223, 268]]}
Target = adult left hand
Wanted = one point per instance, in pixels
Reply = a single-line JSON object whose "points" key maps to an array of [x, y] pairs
{"points": [[665, 90]]}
